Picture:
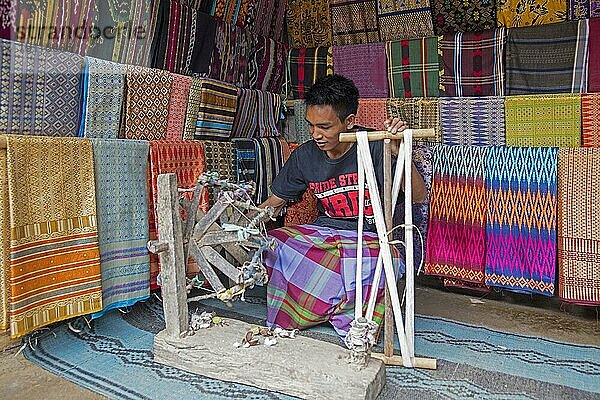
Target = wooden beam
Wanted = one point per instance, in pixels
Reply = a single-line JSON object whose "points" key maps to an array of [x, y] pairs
{"points": [[379, 135], [418, 362]]}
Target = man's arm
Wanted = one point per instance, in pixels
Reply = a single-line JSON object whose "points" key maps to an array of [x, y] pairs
{"points": [[276, 202]]}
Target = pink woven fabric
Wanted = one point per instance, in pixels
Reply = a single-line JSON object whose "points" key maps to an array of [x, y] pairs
{"points": [[180, 91]]}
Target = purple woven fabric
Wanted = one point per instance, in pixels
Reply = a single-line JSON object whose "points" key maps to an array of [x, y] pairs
{"points": [[365, 64]]}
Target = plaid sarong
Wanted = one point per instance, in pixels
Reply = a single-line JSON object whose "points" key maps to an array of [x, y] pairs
{"points": [[552, 120], [365, 64], [216, 110], [521, 218], [178, 101], [594, 56], [40, 90], [257, 114], [463, 16], [120, 170], [472, 64], [418, 113], [371, 113], [578, 230], [312, 275], [308, 23], [457, 224], [413, 68], [354, 22], [590, 119], [583, 9], [404, 20], [516, 13], [306, 66], [472, 121], [103, 85], [547, 59]]}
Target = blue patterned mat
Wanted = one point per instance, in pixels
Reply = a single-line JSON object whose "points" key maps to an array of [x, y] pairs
{"points": [[114, 357]]}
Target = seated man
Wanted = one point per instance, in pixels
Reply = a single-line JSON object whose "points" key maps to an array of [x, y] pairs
{"points": [[312, 271]]}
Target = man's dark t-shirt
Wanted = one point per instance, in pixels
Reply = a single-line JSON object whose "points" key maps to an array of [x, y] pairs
{"points": [[333, 181]]}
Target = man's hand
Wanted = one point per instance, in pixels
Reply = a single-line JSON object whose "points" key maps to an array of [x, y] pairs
{"points": [[394, 126]]}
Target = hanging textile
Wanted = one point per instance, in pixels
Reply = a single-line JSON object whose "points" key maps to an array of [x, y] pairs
{"points": [[302, 131], [308, 23], [418, 113], [582, 9], [365, 65], [7, 25], [590, 119], [472, 121], [547, 59], [40, 90], [271, 154], [230, 55], [193, 105], [54, 258], [371, 113], [204, 31], [288, 124], [551, 120], [306, 66], [257, 114], [216, 110], [578, 231], [174, 36], [120, 170], [457, 224], [521, 220], [266, 18], [103, 85], [180, 93], [472, 64], [404, 20], [148, 92], [127, 31], [232, 12], [463, 16], [245, 160], [184, 159], [266, 64], [516, 14], [4, 244], [413, 67], [319, 287], [220, 158], [594, 55], [353, 22]]}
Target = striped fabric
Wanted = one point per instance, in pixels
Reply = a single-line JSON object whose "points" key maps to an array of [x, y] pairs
{"points": [[371, 81], [266, 64], [594, 56], [204, 41], [463, 16], [590, 119], [40, 90], [148, 93], [306, 66], [413, 68], [271, 154], [267, 18], [521, 221], [582, 9], [216, 110], [516, 14], [54, 257], [302, 131], [472, 64], [245, 160], [457, 224], [308, 23], [120, 170], [371, 113], [547, 59], [4, 244], [578, 229], [404, 19], [230, 55], [552, 120], [186, 160], [103, 85], [220, 158], [257, 114], [354, 22], [472, 121], [419, 113], [313, 277], [230, 11], [180, 93]]}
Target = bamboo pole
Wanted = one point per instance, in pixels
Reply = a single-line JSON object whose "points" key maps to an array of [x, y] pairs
{"points": [[388, 326], [379, 135]]}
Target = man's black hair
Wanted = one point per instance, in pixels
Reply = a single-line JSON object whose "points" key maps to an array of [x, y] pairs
{"points": [[336, 91]]}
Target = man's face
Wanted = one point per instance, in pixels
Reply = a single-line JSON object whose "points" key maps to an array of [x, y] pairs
{"points": [[325, 127]]}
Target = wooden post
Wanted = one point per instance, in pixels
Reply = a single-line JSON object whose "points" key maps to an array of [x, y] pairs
{"points": [[388, 326], [409, 310], [172, 260]]}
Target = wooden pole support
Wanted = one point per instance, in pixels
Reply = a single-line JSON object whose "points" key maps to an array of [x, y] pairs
{"points": [[172, 261], [379, 135], [156, 247], [418, 362], [388, 325]]}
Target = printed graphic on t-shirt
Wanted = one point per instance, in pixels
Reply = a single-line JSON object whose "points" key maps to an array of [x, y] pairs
{"points": [[339, 197]]}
